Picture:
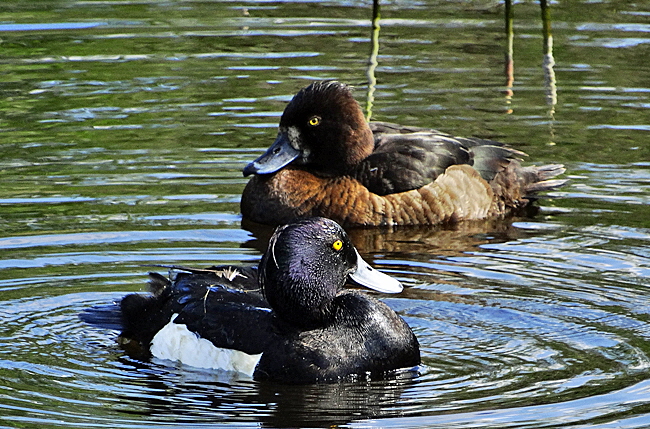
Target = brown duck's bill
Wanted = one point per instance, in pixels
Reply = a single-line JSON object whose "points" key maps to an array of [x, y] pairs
{"points": [[280, 154], [367, 276]]}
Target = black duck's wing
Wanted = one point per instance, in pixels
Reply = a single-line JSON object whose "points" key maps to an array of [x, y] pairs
{"points": [[232, 315], [222, 304]]}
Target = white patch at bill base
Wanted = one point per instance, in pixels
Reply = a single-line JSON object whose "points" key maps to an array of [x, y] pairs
{"points": [[175, 342]]}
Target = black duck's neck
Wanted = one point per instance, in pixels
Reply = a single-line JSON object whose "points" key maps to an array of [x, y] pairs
{"points": [[306, 305]]}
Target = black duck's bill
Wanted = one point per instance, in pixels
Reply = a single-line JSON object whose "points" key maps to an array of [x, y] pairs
{"points": [[367, 276]]}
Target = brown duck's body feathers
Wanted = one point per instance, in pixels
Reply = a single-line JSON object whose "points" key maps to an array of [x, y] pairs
{"points": [[488, 182], [458, 194], [411, 175]]}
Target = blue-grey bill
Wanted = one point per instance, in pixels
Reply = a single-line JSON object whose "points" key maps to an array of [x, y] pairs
{"points": [[367, 276], [280, 154]]}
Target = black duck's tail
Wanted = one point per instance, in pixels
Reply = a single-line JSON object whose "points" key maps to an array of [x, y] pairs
{"points": [[137, 316], [107, 316], [141, 313]]}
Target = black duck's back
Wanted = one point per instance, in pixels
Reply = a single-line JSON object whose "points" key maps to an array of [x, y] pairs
{"points": [[365, 337]]}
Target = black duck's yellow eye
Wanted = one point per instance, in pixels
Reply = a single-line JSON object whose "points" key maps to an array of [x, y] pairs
{"points": [[314, 121], [337, 245]]}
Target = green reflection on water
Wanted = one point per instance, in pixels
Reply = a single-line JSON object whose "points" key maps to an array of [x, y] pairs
{"points": [[142, 126]]}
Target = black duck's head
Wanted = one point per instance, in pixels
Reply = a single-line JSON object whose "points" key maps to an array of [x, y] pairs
{"points": [[307, 264]]}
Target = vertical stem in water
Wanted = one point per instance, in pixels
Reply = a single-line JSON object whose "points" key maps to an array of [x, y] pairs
{"points": [[509, 63], [548, 63], [372, 61]]}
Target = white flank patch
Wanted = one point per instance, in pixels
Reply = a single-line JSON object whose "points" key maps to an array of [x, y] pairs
{"points": [[176, 342]]}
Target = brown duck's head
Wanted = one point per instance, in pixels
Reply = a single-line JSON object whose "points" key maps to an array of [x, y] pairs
{"points": [[323, 129]]}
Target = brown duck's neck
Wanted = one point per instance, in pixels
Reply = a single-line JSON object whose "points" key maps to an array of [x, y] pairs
{"points": [[361, 148]]}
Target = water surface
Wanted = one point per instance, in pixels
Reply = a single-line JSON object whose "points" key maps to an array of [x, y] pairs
{"points": [[125, 126]]}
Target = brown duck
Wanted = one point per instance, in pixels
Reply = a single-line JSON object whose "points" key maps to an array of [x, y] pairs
{"points": [[327, 160]]}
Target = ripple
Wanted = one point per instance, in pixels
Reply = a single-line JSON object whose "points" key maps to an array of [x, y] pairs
{"points": [[50, 26], [124, 143], [119, 237]]}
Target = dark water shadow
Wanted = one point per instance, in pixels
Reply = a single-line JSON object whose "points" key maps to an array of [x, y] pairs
{"points": [[189, 395], [414, 242]]}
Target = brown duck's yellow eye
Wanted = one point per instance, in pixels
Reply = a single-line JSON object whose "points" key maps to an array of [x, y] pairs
{"points": [[337, 245], [314, 121]]}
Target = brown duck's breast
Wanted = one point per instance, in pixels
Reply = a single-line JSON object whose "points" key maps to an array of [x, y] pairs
{"points": [[458, 194]]}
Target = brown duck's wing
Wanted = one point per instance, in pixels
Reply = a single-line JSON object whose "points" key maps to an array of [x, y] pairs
{"points": [[402, 162], [407, 158], [381, 128]]}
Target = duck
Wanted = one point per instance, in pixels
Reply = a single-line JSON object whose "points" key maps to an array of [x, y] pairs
{"points": [[288, 320], [328, 161]]}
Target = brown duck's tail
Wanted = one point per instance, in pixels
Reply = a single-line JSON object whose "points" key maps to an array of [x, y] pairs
{"points": [[515, 186], [540, 179]]}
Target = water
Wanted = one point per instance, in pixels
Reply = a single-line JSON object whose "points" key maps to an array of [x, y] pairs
{"points": [[125, 126]]}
